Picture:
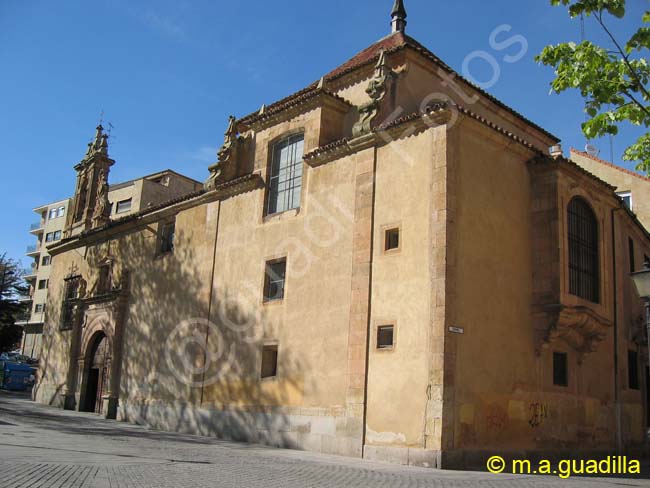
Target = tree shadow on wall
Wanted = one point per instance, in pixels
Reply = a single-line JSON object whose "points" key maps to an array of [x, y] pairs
{"points": [[193, 364]]}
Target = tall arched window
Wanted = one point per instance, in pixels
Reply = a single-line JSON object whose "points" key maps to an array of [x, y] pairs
{"points": [[584, 270], [285, 175]]}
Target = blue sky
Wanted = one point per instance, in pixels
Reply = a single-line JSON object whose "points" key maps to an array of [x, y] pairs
{"points": [[167, 73]]}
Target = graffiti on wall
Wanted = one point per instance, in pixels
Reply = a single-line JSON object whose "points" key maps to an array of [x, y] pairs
{"points": [[496, 417], [538, 414]]}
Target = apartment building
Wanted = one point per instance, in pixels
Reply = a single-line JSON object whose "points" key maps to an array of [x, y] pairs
{"points": [[125, 199]]}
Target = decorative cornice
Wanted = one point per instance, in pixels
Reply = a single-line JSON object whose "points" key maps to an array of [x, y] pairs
{"points": [[310, 98]]}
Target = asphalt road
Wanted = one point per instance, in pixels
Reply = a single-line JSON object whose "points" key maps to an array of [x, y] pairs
{"points": [[43, 447]]}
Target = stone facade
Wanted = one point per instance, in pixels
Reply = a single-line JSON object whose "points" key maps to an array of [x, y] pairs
{"points": [[476, 289]]}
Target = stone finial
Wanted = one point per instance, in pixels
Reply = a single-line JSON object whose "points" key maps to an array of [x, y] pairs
{"points": [[226, 163], [377, 89], [398, 16]]}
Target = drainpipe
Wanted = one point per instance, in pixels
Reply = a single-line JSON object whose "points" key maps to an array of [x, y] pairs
{"points": [[211, 284], [369, 324], [617, 395]]}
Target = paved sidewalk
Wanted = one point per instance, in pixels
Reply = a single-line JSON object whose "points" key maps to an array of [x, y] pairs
{"points": [[42, 447]]}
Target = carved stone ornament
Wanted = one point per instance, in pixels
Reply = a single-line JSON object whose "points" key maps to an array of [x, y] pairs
{"points": [[580, 327], [101, 213], [226, 163], [377, 89]]}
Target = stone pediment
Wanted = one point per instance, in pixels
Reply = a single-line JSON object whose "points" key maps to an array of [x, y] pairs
{"points": [[578, 326]]}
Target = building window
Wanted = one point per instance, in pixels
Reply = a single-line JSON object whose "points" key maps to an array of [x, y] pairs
{"points": [[633, 370], [42, 284], [56, 212], [46, 260], [39, 308], [285, 175], [626, 196], [274, 280], [584, 273], [630, 244], [53, 236], [123, 206], [70, 295], [560, 369], [166, 238], [391, 240], [385, 337], [269, 361]]}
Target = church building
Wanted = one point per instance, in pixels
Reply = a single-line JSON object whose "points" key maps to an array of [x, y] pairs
{"points": [[389, 264]]}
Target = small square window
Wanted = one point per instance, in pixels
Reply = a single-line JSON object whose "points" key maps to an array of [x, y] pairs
{"points": [[560, 369], [391, 240], [42, 284], [52, 214], [167, 232], [274, 280], [46, 260], [633, 370], [40, 308], [269, 361], [385, 337], [123, 206], [60, 212]]}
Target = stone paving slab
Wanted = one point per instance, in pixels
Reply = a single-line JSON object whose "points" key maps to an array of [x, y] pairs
{"points": [[43, 447]]}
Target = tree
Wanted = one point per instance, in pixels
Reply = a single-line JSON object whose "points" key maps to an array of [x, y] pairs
{"points": [[614, 81], [12, 287]]}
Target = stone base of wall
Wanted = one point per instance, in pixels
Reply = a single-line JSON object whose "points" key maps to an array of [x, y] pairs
{"points": [[324, 434], [407, 456], [48, 395]]}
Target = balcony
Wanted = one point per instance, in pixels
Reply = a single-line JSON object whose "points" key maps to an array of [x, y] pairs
{"points": [[33, 250], [30, 273], [23, 318], [36, 228]]}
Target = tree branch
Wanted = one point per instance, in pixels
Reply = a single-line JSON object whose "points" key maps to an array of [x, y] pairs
{"points": [[625, 57]]}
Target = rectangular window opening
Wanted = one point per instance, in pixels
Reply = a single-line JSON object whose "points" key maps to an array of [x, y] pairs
{"points": [[46, 260], [274, 280], [385, 337], [285, 175], [560, 369], [167, 233], [391, 240], [123, 206], [269, 361], [630, 244]]}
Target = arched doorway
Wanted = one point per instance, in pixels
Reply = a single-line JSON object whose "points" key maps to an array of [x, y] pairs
{"points": [[96, 373]]}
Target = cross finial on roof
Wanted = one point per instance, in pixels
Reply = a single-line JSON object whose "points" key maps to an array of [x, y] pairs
{"points": [[398, 16]]}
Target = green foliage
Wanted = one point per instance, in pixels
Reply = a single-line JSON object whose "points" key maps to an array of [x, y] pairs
{"points": [[614, 83], [12, 287]]}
